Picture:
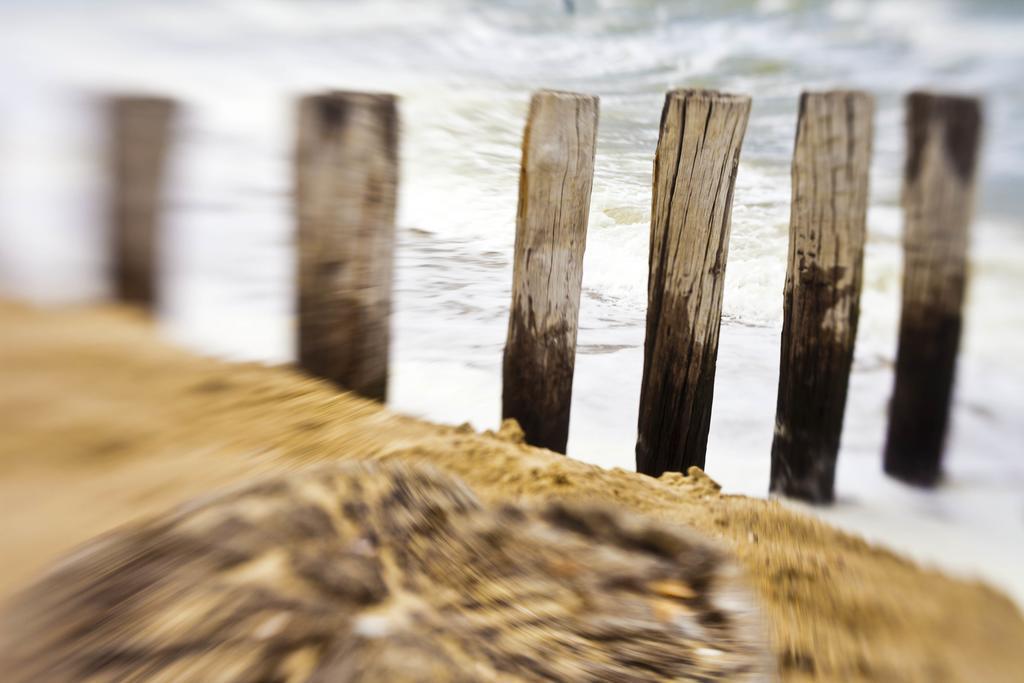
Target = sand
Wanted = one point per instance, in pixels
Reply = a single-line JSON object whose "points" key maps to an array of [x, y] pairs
{"points": [[101, 423]]}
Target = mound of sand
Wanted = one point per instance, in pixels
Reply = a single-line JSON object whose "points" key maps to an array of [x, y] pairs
{"points": [[365, 571], [101, 423]]}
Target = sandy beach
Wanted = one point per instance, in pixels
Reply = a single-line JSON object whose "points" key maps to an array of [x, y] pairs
{"points": [[104, 423]]}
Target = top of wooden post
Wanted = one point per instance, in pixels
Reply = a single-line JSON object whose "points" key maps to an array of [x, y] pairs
{"points": [[708, 94], [961, 117], [714, 96], [140, 99], [332, 109], [568, 94]]}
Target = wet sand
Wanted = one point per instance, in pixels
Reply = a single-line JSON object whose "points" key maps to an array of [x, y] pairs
{"points": [[102, 422]]}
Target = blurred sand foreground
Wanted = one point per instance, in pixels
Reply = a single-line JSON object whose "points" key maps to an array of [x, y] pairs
{"points": [[101, 423]]}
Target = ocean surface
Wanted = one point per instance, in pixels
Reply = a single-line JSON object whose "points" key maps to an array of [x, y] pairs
{"points": [[464, 71]]}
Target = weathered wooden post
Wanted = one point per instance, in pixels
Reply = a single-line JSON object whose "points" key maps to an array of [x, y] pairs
{"points": [[140, 130], [346, 180], [938, 190], [694, 175], [827, 220], [551, 232]]}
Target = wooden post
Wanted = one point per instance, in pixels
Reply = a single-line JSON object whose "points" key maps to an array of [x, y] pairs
{"points": [[694, 176], [140, 130], [938, 191], [346, 184], [551, 232], [827, 220]]}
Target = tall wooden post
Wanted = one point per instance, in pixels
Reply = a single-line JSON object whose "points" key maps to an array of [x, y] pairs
{"points": [[346, 180], [140, 130], [551, 232], [694, 176], [938, 191], [827, 220]]}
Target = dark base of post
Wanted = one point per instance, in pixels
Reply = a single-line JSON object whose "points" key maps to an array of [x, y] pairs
{"points": [[666, 444], [135, 286], [919, 413], [924, 473], [803, 472], [809, 418], [541, 410]]}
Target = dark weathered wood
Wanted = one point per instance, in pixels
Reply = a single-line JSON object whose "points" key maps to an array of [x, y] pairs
{"points": [[551, 232], [694, 176], [831, 161], [346, 185], [140, 130], [938, 194]]}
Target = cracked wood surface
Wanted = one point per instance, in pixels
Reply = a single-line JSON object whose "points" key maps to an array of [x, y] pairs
{"points": [[555, 181], [694, 176], [938, 196], [831, 161], [346, 183]]}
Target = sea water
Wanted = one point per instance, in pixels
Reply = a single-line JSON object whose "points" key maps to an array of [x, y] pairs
{"points": [[464, 71]]}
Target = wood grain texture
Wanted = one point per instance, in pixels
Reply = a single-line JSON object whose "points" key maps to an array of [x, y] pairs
{"points": [[140, 131], [938, 194], [831, 163], [694, 176], [346, 185], [551, 231]]}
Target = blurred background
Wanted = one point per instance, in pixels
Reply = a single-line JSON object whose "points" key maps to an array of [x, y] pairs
{"points": [[464, 71]]}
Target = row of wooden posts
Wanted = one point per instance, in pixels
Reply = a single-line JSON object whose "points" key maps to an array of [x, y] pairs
{"points": [[346, 179]]}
